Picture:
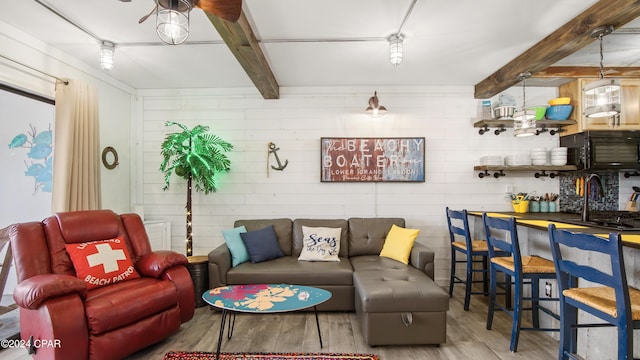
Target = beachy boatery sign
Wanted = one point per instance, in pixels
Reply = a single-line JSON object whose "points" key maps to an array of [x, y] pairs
{"points": [[372, 159]]}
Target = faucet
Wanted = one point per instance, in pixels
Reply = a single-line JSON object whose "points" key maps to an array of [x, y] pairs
{"points": [[585, 197]]}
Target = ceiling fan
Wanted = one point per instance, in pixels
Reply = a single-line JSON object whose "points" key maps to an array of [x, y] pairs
{"points": [[173, 15], [226, 9]]}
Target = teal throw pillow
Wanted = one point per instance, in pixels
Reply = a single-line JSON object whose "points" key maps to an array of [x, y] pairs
{"points": [[236, 246], [262, 245]]}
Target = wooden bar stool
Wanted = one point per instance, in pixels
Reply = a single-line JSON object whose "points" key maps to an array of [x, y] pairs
{"points": [[475, 252], [608, 297], [524, 270]]}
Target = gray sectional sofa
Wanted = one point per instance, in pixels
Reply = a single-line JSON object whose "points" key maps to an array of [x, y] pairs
{"points": [[396, 304]]}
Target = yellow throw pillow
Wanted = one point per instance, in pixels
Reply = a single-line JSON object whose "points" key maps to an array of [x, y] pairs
{"points": [[398, 244]]}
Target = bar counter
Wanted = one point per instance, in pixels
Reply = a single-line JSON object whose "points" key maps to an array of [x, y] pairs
{"points": [[533, 237], [541, 221]]}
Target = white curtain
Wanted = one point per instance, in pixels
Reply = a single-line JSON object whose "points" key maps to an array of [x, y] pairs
{"points": [[76, 164]]}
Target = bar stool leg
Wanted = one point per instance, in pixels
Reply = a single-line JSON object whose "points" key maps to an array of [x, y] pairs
{"points": [[485, 274], [535, 304], [468, 282], [452, 278], [517, 317], [492, 296]]}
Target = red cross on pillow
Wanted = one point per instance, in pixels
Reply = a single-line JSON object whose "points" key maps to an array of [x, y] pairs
{"points": [[101, 263]]}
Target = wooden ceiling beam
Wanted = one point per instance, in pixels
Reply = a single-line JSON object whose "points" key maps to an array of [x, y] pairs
{"points": [[568, 39], [240, 39], [587, 72]]}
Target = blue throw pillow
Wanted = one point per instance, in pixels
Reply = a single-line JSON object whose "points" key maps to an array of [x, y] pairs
{"points": [[262, 245], [236, 246]]}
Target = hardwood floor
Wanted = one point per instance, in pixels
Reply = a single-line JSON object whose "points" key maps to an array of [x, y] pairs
{"points": [[467, 337]]}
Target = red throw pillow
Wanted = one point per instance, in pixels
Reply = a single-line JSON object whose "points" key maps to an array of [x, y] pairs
{"points": [[101, 263]]}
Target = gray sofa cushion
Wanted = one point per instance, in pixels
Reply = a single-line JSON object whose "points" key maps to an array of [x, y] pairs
{"points": [[330, 223], [291, 271], [398, 290], [281, 226], [367, 235]]}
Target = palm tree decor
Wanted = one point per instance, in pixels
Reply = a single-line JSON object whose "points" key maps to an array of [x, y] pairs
{"points": [[195, 156]]}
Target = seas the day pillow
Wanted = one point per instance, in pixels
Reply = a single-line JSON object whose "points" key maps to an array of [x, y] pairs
{"points": [[320, 244], [102, 263], [236, 246], [262, 244], [398, 244]]}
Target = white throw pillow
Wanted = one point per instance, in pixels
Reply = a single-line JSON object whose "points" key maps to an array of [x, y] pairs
{"points": [[320, 244]]}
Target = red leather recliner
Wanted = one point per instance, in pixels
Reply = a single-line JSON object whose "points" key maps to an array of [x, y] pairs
{"points": [[66, 320]]}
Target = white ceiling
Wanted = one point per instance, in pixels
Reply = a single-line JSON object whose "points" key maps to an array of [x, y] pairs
{"points": [[317, 43]]}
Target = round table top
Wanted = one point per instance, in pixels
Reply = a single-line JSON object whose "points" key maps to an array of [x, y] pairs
{"points": [[265, 298]]}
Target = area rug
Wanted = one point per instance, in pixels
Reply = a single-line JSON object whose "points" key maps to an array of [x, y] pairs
{"points": [[184, 355]]}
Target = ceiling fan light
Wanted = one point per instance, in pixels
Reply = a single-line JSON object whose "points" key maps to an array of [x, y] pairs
{"points": [[107, 48], [172, 21], [395, 49]]}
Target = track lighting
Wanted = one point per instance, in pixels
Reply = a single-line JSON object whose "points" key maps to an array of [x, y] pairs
{"points": [[107, 48]]}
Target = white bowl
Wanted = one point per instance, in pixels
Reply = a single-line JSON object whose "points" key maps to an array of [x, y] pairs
{"points": [[559, 162], [538, 161]]}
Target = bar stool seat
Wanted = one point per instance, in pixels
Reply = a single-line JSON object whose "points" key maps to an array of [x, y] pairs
{"points": [[530, 264], [603, 298], [476, 245]]}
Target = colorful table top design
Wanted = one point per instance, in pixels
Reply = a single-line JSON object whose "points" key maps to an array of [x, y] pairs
{"points": [[265, 298]]}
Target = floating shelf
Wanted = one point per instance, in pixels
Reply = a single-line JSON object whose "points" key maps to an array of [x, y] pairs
{"points": [[541, 170], [541, 125]]}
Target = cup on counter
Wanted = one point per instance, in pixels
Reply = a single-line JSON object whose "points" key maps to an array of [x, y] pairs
{"points": [[534, 206], [520, 206], [544, 206], [553, 206]]}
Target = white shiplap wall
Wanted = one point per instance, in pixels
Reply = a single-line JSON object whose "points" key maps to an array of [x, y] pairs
{"points": [[296, 122]]}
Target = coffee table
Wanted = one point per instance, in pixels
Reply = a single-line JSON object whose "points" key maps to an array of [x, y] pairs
{"points": [[263, 299]]}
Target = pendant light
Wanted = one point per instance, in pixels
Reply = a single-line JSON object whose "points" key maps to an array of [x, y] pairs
{"points": [[602, 98], [172, 20], [395, 49], [107, 48], [524, 121], [375, 109]]}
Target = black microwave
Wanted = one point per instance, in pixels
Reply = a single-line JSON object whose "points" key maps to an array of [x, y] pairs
{"points": [[603, 150]]}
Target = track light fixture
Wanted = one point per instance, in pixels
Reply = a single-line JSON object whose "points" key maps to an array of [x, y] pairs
{"points": [[107, 49], [395, 49]]}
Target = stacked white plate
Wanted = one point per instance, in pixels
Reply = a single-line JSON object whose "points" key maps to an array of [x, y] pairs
{"points": [[538, 156], [492, 160], [517, 160], [559, 156]]}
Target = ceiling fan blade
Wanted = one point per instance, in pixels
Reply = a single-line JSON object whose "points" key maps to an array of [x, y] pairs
{"points": [[142, 19], [226, 9]]}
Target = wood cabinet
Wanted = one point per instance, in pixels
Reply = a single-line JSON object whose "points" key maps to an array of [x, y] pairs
{"points": [[629, 118]]}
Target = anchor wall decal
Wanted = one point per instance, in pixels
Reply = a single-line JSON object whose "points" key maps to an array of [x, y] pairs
{"points": [[273, 150]]}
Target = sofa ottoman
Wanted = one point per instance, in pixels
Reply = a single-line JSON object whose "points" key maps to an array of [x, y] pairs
{"points": [[400, 306]]}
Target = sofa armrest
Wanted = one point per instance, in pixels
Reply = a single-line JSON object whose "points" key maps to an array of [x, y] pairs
{"points": [[422, 258], [154, 264], [219, 264], [32, 292]]}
